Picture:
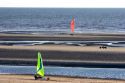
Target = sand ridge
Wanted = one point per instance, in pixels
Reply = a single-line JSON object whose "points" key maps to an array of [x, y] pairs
{"points": [[66, 48]]}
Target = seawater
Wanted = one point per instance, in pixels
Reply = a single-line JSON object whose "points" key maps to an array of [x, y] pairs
{"points": [[75, 43], [109, 73], [57, 20]]}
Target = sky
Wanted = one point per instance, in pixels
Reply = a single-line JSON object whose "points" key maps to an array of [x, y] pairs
{"points": [[64, 3]]}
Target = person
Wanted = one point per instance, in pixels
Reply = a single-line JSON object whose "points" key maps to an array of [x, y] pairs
{"points": [[36, 76]]}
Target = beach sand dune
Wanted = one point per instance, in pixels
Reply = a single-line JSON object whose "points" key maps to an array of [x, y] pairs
{"points": [[53, 79]]}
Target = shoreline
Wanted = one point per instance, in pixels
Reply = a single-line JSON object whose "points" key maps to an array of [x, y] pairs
{"points": [[62, 55], [52, 54], [63, 37]]}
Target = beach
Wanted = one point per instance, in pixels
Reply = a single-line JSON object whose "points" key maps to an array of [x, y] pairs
{"points": [[62, 37], [53, 79], [77, 45], [62, 55]]}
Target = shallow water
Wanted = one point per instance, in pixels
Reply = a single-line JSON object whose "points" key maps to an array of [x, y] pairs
{"points": [[75, 43], [110, 73]]}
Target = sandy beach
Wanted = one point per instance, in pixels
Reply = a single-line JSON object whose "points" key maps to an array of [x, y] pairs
{"points": [[53, 79], [61, 37], [67, 44], [63, 54]]}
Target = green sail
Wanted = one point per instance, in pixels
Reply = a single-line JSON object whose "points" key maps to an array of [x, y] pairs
{"points": [[40, 67]]}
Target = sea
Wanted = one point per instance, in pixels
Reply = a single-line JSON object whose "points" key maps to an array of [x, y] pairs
{"points": [[81, 72], [57, 20]]}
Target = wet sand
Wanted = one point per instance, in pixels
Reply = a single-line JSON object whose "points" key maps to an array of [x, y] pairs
{"points": [[61, 54], [61, 37], [64, 55], [53, 79]]}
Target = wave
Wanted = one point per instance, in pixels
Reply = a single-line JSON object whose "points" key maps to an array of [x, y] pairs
{"points": [[73, 43]]}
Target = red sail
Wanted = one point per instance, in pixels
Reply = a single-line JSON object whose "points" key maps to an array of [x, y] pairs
{"points": [[72, 25]]}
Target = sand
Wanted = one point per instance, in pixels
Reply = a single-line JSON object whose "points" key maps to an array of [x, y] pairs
{"points": [[66, 48], [53, 79], [61, 37], [61, 54]]}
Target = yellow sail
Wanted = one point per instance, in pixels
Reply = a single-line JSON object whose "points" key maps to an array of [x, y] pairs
{"points": [[40, 67]]}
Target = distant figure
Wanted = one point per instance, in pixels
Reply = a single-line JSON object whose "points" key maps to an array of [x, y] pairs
{"points": [[103, 47], [100, 47], [72, 34], [72, 26]]}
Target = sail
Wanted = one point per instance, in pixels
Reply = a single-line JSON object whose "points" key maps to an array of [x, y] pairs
{"points": [[40, 67], [72, 25]]}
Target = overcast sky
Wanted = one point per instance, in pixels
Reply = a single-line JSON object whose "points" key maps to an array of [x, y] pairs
{"points": [[64, 3]]}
